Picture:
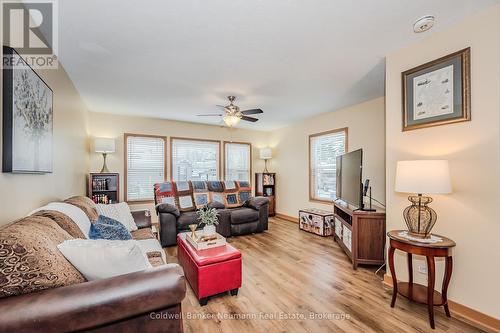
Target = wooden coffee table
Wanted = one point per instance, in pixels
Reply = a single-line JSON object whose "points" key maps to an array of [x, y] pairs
{"points": [[414, 291]]}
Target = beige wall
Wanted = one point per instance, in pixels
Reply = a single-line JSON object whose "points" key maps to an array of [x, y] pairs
{"points": [[113, 126], [291, 152], [468, 215], [21, 193]]}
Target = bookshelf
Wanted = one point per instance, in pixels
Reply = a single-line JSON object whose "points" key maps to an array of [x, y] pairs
{"points": [[104, 187], [265, 185]]}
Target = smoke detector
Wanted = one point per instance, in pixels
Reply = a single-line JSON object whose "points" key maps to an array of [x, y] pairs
{"points": [[424, 23]]}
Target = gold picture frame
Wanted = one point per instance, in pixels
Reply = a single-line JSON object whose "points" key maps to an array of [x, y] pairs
{"points": [[438, 92]]}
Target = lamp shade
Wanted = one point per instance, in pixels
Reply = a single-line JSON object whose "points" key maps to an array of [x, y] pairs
{"points": [[104, 145], [423, 177], [266, 153]]}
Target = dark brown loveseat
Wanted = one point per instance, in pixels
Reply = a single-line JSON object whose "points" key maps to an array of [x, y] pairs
{"points": [[239, 213], [42, 292]]}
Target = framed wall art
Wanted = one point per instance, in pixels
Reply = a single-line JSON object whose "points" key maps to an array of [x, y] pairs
{"points": [[438, 92], [27, 117]]}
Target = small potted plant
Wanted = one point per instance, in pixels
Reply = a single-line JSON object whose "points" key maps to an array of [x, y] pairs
{"points": [[208, 217]]}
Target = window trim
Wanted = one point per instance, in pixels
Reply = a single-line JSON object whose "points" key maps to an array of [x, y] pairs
{"points": [[225, 160], [346, 149], [171, 164], [125, 155]]}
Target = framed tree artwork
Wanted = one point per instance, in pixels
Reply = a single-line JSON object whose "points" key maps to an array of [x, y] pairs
{"points": [[27, 117], [438, 92]]}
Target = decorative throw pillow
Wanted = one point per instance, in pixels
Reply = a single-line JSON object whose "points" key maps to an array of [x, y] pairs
{"points": [[119, 212], [121, 257], [201, 199], [30, 260], [108, 228], [186, 203]]}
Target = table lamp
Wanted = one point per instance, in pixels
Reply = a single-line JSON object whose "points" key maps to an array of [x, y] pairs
{"points": [[422, 177], [266, 154], [104, 146]]}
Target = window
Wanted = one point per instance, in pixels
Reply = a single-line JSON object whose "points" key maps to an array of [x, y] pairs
{"points": [[323, 151], [194, 159], [237, 160], [144, 166]]}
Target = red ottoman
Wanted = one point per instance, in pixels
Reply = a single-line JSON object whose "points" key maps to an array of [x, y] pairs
{"points": [[212, 271]]}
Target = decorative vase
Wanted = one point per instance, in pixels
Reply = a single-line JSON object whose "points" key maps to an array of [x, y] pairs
{"points": [[209, 230]]}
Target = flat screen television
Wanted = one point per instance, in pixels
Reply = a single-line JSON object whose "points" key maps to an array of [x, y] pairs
{"points": [[349, 178]]}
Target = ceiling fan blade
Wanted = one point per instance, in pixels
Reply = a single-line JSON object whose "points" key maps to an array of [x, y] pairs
{"points": [[252, 111], [252, 119], [221, 106], [210, 115]]}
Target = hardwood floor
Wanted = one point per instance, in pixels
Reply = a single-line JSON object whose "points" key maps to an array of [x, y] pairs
{"points": [[291, 273]]}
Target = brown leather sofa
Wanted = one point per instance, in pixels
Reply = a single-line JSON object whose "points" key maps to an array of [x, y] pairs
{"points": [[45, 299]]}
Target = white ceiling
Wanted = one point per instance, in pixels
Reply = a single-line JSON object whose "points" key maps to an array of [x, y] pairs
{"points": [[292, 58]]}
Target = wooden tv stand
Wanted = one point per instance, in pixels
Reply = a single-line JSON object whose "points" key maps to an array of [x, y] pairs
{"points": [[360, 234]]}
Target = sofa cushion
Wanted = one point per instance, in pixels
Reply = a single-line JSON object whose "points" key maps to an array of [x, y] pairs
{"points": [[64, 221], [144, 233], [108, 228], [186, 219], [85, 204], [119, 212], [243, 215], [30, 260], [152, 246]]}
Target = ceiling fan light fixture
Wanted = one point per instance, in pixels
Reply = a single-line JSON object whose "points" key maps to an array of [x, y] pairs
{"points": [[231, 120]]}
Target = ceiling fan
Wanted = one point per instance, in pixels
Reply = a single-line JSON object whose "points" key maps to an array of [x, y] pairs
{"points": [[232, 114]]}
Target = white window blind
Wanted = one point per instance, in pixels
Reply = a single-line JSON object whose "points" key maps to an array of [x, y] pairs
{"points": [[145, 166], [324, 151], [195, 160], [237, 161]]}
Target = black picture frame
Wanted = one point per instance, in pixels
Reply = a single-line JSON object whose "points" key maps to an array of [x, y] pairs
{"points": [[36, 125], [460, 91]]}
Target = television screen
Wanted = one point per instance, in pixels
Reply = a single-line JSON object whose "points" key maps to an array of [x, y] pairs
{"points": [[349, 173]]}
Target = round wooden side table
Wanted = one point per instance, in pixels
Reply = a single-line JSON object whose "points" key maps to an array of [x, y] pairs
{"points": [[414, 291]]}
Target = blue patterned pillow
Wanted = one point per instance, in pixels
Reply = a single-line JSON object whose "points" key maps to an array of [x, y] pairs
{"points": [[108, 228]]}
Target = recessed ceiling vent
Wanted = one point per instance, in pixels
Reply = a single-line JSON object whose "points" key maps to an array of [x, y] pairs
{"points": [[424, 24]]}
